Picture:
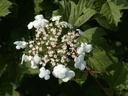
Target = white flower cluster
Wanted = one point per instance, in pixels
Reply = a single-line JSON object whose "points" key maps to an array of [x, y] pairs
{"points": [[79, 61], [55, 44]]}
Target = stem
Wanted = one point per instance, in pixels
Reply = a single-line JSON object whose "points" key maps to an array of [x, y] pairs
{"points": [[91, 73]]}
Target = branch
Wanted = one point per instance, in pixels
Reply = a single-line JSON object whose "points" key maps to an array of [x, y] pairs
{"points": [[92, 74]]}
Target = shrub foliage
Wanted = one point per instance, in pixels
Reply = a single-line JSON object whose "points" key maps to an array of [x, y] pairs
{"points": [[105, 24]]}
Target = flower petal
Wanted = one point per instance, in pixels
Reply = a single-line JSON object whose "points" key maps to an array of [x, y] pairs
{"points": [[70, 74], [46, 77], [88, 48], [36, 59], [24, 58], [20, 44], [33, 65], [55, 18], [30, 25], [39, 17], [17, 47], [82, 65], [42, 72], [37, 24]]}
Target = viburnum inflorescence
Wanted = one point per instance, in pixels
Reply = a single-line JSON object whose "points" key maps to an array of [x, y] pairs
{"points": [[54, 46]]}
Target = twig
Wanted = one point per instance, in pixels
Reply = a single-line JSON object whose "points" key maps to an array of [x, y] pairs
{"points": [[91, 73]]}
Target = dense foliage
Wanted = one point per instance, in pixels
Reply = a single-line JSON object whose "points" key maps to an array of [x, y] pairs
{"points": [[105, 25]]}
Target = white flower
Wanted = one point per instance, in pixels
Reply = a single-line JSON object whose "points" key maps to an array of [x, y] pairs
{"points": [[20, 44], [81, 32], [55, 18], [88, 47], [33, 65], [84, 47], [61, 72], [39, 22], [39, 17], [79, 62], [35, 61], [81, 49], [30, 25], [69, 74], [25, 58], [44, 73]]}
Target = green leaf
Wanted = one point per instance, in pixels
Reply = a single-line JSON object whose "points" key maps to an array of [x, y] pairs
{"points": [[12, 73], [87, 14], [14, 93], [90, 3], [27, 68], [95, 35], [100, 60], [80, 76], [75, 14], [122, 4], [105, 23], [119, 78], [8, 89], [65, 8], [4, 7], [112, 12], [38, 7], [80, 6], [101, 57]]}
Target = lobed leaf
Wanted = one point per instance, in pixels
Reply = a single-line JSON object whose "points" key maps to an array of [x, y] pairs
{"points": [[76, 14], [122, 4], [105, 23], [8, 89], [87, 14], [103, 60], [112, 12], [4, 7], [38, 7], [119, 78], [101, 57], [27, 68], [80, 76]]}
